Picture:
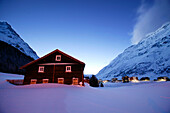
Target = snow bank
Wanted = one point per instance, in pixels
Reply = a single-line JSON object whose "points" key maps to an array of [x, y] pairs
{"points": [[57, 98], [4, 76]]}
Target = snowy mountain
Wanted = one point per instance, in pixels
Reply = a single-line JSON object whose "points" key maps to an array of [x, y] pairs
{"points": [[8, 35], [150, 57]]}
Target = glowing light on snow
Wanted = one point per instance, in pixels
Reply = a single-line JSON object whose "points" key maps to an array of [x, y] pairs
{"points": [[135, 80], [105, 81], [161, 80]]}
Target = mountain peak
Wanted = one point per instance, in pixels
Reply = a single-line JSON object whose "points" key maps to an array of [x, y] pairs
{"points": [[8, 35], [4, 23]]}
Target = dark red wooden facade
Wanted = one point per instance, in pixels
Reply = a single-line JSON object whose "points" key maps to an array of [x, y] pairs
{"points": [[54, 69]]}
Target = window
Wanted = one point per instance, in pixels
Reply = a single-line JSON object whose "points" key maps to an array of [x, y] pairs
{"points": [[41, 69], [45, 80], [75, 81], [58, 58], [61, 80], [33, 81], [68, 68]]}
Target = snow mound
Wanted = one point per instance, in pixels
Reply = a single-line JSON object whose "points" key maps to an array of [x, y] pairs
{"points": [[58, 98]]}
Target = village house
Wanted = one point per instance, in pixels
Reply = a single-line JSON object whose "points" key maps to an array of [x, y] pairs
{"points": [[55, 67]]}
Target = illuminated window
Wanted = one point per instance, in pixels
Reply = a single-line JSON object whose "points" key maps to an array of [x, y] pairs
{"points": [[33, 81], [58, 58], [61, 80], [41, 69], [75, 81], [68, 68], [45, 80]]}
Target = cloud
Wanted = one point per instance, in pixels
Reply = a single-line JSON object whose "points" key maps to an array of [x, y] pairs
{"points": [[150, 18]]}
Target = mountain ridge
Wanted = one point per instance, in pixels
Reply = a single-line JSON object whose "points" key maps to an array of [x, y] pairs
{"points": [[8, 35]]}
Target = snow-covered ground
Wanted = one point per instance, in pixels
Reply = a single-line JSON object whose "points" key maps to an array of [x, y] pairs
{"points": [[150, 97]]}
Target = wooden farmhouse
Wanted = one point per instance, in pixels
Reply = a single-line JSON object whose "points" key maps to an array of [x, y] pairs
{"points": [[55, 67]]}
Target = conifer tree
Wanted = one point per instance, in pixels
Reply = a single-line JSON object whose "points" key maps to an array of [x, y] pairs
{"points": [[94, 81]]}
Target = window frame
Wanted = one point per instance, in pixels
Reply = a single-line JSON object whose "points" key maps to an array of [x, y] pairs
{"points": [[68, 70], [39, 69], [57, 57]]}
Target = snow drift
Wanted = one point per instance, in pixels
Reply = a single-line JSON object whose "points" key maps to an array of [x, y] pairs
{"points": [[59, 98]]}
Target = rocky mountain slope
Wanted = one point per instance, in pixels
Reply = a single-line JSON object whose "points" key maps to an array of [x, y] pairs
{"points": [[150, 57], [12, 59]]}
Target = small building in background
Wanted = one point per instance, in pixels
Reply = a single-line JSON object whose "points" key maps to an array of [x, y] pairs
{"points": [[55, 67], [125, 79], [134, 79], [114, 80], [145, 79], [162, 79]]}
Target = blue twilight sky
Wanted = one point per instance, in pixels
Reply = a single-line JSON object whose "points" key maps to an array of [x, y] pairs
{"points": [[93, 31]]}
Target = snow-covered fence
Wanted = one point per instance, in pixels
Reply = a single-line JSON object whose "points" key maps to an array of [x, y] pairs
{"points": [[16, 82]]}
